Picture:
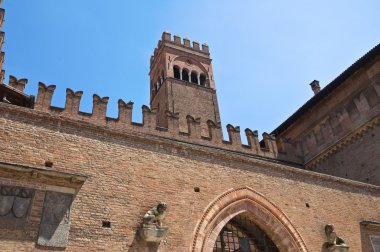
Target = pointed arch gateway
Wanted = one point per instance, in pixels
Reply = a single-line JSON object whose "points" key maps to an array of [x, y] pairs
{"points": [[246, 201]]}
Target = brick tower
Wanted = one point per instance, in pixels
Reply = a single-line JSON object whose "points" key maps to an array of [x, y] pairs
{"points": [[181, 81]]}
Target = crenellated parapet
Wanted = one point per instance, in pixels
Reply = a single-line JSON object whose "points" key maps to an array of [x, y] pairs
{"points": [[2, 14], [45, 94], [253, 140], [18, 84], [183, 43], [13, 93], [214, 137], [234, 134], [125, 112], [72, 101], [99, 107]]}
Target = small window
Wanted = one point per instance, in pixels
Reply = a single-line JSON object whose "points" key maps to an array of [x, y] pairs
{"points": [[106, 224], [176, 71]]}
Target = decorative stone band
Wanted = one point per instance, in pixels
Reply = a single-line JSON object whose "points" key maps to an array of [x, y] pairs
{"points": [[245, 200], [36, 172], [371, 225]]}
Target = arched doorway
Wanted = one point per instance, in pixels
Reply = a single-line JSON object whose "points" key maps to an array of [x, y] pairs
{"points": [[246, 203], [241, 234]]}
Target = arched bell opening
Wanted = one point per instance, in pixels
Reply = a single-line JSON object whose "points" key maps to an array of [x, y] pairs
{"points": [[194, 77], [176, 71], [202, 80], [242, 234], [185, 74]]}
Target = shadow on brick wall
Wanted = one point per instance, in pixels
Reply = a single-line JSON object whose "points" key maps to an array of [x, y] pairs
{"points": [[139, 245]]}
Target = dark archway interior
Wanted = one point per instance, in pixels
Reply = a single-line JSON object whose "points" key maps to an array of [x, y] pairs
{"points": [[194, 78], [176, 72], [202, 79], [243, 235], [185, 75]]}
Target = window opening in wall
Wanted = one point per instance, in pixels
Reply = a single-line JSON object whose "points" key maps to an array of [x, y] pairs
{"points": [[241, 234], [106, 224], [194, 77], [185, 75], [176, 71], [202, 80], [48, 163]]}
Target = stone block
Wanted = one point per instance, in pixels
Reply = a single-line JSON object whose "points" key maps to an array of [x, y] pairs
{"points": [[151, 233], [55, 224]]}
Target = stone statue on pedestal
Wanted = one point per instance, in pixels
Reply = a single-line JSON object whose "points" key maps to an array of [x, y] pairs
{"points": [[152, 229], [334, 242], [155, 215]]}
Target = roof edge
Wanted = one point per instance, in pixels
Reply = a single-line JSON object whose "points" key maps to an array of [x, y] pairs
{"points": [[364, 60]]}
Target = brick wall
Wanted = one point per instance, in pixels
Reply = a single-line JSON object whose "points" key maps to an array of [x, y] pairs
{"points": [[129, 173], [190, 99], [358, 160]]}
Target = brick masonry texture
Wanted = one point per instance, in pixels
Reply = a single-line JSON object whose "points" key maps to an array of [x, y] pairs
{"points": [[129, 173], [116, 170], [346, 164]]}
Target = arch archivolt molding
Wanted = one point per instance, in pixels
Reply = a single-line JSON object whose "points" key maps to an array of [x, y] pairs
{"points": [[183, 59], [263, 212]]}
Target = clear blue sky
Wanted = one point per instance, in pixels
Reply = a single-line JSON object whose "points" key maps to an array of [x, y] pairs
{"points": [[265, 53]]}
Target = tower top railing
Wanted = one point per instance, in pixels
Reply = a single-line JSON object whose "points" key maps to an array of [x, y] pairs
{"points": [[181, 44]]}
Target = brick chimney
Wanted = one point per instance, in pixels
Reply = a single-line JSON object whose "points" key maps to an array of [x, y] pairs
{"points": [[315, 86]]}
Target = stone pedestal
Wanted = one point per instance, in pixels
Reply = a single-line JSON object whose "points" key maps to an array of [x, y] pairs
{"points": [[152, 233], [338, 248]]}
